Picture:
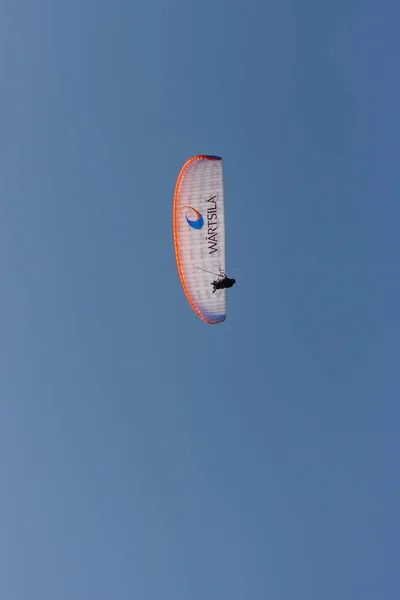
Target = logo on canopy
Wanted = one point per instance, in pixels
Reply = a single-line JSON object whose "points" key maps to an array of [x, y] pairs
{"points": [[195, 223]]}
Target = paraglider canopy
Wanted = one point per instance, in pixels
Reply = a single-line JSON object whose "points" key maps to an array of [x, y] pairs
{"points": [[199, 235]]}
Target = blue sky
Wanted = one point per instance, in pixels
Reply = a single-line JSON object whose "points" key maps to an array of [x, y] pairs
{"points": [[143, 453]]}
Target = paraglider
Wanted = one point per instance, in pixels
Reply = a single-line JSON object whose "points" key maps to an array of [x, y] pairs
{"points": [[199, 236], [222, 283]]}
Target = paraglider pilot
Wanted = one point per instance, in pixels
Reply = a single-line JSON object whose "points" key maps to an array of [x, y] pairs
{"points": [[223, 282]]}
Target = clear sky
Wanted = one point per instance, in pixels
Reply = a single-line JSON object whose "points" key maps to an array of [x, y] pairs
{"points": [[144, 454]]}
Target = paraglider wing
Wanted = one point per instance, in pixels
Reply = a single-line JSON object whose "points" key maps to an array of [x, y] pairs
{"points": [[199, 234]]}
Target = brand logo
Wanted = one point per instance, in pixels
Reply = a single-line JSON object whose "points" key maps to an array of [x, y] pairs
{"points": [[212, 225], [196, 223]]}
